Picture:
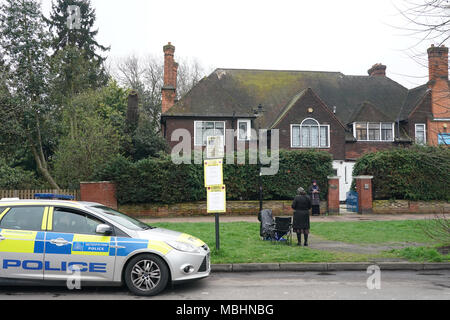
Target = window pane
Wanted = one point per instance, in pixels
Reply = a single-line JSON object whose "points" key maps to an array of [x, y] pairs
{"points": [[198, 133], [296, 136], [309, 122], [323, 136], [314, 136], [243, 130], [374, 131], [386, 132], [305, 132], [361, 131], [23, 218], [66, 221]]}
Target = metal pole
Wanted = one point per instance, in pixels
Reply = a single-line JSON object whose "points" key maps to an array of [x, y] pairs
{"points": [[217, 232]]}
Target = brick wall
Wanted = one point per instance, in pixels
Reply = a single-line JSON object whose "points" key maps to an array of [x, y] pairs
{"points": [[282, 207], [101, 192], [405, 206]]}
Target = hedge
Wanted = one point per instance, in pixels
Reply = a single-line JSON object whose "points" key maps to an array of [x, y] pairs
{"points": [[416, 173], [158, 180]]}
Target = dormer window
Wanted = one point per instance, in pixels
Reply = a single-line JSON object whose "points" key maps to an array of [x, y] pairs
{"points": [[373, 131]]}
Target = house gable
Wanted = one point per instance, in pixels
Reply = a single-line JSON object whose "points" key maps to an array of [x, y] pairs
{"points": [[308, 105]]}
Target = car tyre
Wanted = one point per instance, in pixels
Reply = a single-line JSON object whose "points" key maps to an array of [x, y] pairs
{"points": [[146, 275]]}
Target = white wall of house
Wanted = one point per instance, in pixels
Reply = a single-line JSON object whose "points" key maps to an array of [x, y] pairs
{"points": [[344, 172]]}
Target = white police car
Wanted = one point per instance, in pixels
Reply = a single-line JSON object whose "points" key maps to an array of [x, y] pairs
{"points": [[51, 240]]}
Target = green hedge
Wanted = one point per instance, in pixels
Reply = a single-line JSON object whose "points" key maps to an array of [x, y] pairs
{"points": [[158, 180], [416, 173]]}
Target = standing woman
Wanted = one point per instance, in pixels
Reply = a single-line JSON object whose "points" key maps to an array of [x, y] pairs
{"points": [[314, 190], [301, 206]]}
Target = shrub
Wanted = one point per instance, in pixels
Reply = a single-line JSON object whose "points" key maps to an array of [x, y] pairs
{"points": [[416, 173], [159, 180]]}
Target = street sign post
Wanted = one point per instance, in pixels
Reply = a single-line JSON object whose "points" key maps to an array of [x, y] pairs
{"points": [[215, 189]]}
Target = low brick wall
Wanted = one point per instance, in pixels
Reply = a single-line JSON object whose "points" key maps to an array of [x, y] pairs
{"points": [[405, 206], [199, 209]]}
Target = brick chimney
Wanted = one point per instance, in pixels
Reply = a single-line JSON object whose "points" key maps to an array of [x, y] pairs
{"points": [[438, 62], [169, 90], [377, 70]]}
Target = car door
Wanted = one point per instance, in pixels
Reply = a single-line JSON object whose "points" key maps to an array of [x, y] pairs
{"points": [[73, 248], [22, 241]]}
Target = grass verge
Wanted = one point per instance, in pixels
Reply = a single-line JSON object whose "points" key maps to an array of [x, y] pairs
{"points": [[240, 242]]}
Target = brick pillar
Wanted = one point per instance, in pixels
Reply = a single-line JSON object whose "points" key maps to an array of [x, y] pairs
{"points": [[101, 192], [364, 189], [333, 195]]}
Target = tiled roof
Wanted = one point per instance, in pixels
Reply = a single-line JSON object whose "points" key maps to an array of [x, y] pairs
{"points": [[239, 91]]}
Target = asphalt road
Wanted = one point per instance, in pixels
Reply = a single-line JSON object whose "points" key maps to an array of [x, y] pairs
{"points": [[409, 285]]}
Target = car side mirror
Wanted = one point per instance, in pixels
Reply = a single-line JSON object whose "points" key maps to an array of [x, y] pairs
{"points": [[103, 229]]}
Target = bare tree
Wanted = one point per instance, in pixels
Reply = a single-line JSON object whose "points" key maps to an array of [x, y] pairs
{"points": [[428, 22], [146, 76]]}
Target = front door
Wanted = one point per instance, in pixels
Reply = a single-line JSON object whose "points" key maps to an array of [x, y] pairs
{"points": [[73, 248], [22, 242]]}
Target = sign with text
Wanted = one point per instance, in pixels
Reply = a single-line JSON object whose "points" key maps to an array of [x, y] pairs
{"points": [[213, 172], [216, 199]]}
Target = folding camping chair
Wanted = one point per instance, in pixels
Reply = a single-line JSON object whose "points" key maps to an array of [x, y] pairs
{"points": [[283, 230]]}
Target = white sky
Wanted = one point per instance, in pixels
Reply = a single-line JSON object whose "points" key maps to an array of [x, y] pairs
{"points": [[347, 35]]}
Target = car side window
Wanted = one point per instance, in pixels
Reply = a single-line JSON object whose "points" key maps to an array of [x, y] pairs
{"points": [[23, 218], [73, 221]]}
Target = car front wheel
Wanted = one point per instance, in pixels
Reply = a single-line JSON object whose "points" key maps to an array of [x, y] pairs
{"points": [[146, 275]]}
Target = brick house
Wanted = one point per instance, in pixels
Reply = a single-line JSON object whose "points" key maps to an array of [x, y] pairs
{"points": [[345, 115]]}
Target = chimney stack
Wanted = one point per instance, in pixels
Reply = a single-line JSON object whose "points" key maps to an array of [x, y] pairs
{"points": [[169, 90], [438, 62], [377, 70]]}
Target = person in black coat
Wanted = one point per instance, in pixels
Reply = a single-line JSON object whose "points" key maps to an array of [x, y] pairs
{"points": [[314, 190], [301, 206]]}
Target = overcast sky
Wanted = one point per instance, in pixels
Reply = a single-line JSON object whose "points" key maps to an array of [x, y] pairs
{"points": [[347, 35]]}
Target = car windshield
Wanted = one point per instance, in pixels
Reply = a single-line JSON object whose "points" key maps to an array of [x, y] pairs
{"points": [[121, 218]]}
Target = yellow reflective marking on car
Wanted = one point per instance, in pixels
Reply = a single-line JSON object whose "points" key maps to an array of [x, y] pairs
{"points": [[18, 241], [90, 245], [40, 203], [50, 219], [159, 246], [191, 240], [3, 213], [44, 219]]}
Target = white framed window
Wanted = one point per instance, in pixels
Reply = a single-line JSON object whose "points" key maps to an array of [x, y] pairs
{"points": [[420, 133], [244, 129], [310, 134], [373, 131], [204, 129]]}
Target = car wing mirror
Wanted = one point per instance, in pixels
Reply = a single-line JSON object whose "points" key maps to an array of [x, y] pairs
{"points": [[104, 229]]}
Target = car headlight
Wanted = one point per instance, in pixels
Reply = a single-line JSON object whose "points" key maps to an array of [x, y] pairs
{"points": [[183, 246]]}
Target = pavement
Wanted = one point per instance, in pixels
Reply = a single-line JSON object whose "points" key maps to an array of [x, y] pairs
{"points": [[322, 244]]}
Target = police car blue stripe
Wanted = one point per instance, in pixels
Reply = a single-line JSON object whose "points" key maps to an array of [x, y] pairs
{"points": [[51, 248], [128, 245], [39, 242]]}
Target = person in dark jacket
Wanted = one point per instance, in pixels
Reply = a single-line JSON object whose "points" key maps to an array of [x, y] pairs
{"points": [[301, 206], [314, 191]]}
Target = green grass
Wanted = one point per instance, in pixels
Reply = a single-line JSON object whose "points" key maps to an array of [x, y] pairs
{"points": [[240, 241], [420, 254], [373, 232]]}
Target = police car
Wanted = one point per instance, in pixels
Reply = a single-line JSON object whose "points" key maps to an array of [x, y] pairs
{"points": [[52, 240]]}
